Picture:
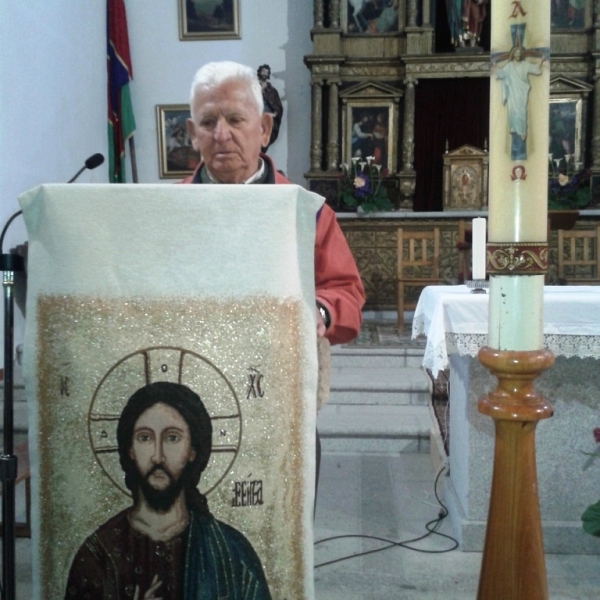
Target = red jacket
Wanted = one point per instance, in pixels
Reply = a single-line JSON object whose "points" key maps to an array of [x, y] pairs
{"points": [[337, 282]]}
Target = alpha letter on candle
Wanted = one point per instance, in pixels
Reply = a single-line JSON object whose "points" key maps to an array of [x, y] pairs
{"points": [[479, 253]]}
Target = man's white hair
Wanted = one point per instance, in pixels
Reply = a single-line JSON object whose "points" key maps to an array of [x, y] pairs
{"points": [[215, 73]]}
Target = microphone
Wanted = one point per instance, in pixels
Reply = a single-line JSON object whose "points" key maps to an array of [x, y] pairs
{"points": [[91, 163]]}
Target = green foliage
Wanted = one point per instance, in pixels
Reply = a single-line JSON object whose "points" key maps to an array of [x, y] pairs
{"points": [[591, 519], [361, 185], [591, 515], [568, 184]]}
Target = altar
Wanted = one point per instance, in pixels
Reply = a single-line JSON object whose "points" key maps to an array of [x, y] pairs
{"points": [[455, 322]]}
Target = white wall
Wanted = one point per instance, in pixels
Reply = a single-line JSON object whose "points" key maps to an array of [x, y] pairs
{"points": [[53, 86], [272, 31]]}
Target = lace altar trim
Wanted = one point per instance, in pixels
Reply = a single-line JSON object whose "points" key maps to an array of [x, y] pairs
{"points": [[436, 357], [562, 345]]}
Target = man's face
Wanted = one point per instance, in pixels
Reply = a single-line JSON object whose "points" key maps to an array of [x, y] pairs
{"points": [[161, 446], [228, 132], [263, 74]]}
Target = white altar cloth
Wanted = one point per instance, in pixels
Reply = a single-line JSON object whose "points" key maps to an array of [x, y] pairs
{"points": [[455, 321]]}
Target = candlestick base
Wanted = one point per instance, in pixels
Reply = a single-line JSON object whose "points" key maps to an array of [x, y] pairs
{"points": [[478, 286]]}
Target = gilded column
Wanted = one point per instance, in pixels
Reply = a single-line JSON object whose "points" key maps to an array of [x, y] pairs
{"points": [[334, 14], [412, 12], [333, 147], [318, 13], [408, 131], [426, 18], [316, 147], [596, 122]]}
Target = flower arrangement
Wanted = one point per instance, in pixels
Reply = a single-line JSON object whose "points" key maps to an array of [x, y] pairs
{"points": [[568, 185], [591, 515], [362, 186]]}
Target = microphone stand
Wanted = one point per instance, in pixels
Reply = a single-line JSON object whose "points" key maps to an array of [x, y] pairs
{"points": [[9, 264]]}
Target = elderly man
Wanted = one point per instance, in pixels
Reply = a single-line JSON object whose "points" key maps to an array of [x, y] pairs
{"points": [[228, 127], [167, 545]]}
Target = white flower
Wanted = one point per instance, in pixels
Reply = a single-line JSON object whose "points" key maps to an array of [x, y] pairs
{"points": [[568, 157], [362, 165], [344, 167], [550, 157], [378, 167], [359, 182], [578, 165], [354, 160], [562, 179], [557, 161], [370, 159]]}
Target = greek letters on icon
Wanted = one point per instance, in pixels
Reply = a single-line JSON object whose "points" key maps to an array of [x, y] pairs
{"points": [[64, 386], [255, 382], [247, 493]]}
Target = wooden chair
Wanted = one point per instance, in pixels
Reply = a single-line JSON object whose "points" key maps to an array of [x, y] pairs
{"points": [[579, 256], [418, 264]]}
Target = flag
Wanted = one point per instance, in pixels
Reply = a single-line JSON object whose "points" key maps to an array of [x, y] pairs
{"points": [[121, 122]]}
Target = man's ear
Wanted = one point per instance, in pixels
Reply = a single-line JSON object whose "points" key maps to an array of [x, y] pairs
{"points": [[191, 129], [266, 125], [192, 456]]}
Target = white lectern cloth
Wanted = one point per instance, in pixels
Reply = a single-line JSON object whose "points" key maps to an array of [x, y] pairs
{"points": [[208, 286]]}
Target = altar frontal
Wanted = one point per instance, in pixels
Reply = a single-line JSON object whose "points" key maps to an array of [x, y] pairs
{"points": [[171, 377]]}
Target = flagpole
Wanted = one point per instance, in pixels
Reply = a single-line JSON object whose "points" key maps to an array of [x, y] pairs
{"points": [[134, 173]]}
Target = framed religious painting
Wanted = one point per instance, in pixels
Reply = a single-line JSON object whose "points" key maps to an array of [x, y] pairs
{"points": [[570, 14], [565, 127], [466, 178], [369, 130], [176, 157], [370, 17], [209, 20]]}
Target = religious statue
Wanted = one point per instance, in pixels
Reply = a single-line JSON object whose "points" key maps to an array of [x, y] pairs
{"points": [[465, 19], [514, 77], [271, 100]]}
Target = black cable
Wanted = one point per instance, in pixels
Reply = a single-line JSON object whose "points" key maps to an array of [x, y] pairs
{"points": [[431, 527], [6, 228]]}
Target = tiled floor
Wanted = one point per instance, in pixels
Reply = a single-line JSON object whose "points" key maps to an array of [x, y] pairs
{"points": [[392, 497]]}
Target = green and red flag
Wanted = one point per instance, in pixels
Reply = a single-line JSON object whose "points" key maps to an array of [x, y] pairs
{"points": [[121, 122]]}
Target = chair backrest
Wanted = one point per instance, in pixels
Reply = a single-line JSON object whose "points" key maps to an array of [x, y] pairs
{"points": [[579, 255], [419, 254]]}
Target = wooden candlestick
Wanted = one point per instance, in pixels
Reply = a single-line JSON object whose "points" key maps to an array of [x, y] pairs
{"points": [[513, 564]]}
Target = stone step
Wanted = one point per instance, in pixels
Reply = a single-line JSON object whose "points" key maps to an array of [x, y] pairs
{"points": [[350, 356], [345, 428], [380, 386]]}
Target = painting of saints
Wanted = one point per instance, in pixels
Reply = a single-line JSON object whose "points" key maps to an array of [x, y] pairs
{"points": [[167, 544]]}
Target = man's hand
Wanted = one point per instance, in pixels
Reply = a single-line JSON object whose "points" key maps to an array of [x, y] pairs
{"points": [[149, 595], [320, 324]]}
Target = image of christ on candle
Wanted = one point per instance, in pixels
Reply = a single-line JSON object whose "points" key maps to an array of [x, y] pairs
{"points": [[518, 64]]}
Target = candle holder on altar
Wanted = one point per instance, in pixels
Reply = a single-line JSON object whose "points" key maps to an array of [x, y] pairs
{"points": [[477, 286]]}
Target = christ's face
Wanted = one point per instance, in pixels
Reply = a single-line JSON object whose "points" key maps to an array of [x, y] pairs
{"points": [[161, 445]]}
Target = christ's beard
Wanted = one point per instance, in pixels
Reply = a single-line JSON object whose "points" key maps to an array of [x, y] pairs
{"points": [[157, 499]]}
